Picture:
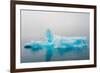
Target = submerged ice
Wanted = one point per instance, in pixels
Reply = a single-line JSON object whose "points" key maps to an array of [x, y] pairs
{"points": [[61, 43]]}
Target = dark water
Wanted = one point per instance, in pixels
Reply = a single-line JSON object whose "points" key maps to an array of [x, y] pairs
{"points": [[54, 55]]}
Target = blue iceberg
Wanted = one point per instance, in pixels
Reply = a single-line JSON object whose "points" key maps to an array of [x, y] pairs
{"points": [[61, 43]]}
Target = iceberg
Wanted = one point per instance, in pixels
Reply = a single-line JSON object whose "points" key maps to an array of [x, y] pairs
{"points": [[62, 43]]}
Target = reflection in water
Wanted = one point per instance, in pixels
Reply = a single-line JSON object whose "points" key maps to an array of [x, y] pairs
{"points": [[62, 44]]}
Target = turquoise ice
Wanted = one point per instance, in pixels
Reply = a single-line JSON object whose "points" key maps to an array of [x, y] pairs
{"points": [[62, 43]]}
